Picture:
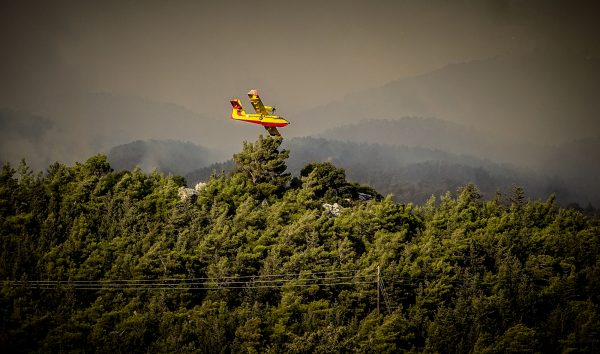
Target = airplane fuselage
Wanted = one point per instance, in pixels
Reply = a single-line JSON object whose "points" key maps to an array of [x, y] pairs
{"points": [[267, 121], [264, 114]]}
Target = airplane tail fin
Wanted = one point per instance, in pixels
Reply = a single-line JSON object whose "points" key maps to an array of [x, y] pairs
{"points": [[237, 110]]}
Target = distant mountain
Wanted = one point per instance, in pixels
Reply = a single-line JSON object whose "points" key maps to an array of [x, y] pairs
{"points": [[411, 173], [385, 157], [108, 120], [22, 125], [24, 135], [168, 156], [574, 162], [577, 163], [545, 97], [89, 123], [433, 133], [204, 173], [414, 173]]}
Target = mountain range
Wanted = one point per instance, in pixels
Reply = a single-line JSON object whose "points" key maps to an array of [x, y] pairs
{"points": [[523, 118], [411, 174], [574, 163], [544, 97], [90, 123]]}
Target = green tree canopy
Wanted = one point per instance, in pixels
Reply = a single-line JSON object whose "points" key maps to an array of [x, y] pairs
{"points": [[94, 260]]}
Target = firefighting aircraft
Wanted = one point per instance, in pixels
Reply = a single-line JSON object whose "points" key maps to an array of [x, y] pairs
{"points": [[265, 115]]}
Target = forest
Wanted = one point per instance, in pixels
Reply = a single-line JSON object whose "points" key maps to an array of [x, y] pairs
{"points": [[258, 260]]}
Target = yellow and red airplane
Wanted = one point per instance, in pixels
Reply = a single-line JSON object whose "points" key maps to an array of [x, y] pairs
{"points": [[265, 115]]}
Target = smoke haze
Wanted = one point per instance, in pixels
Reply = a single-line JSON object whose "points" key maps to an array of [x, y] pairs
{"points": [[100, 74], [300, 54]]}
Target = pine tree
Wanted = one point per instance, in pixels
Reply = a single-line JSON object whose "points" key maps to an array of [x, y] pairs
{"points": [[263, 164]]}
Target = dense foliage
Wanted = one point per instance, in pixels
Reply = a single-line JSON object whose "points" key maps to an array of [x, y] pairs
{"points": [[248, 265]]}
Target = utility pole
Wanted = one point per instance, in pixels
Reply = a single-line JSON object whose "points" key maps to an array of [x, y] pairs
{"points": [[378, 290]]}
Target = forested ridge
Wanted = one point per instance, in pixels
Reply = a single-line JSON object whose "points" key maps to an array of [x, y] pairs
{"points": [[413, 174], [95, 260]]}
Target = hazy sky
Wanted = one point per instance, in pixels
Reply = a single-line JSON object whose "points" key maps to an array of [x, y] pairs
{"points": [[298, 53]]}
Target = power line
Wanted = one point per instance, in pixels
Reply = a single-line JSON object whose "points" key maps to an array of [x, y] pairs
{"points": [[189, 280], [397, 278], [226, 282], [339, 277], [194, 279], [217, 287]]}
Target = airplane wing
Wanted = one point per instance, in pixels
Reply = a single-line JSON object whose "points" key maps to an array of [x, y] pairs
{"points": [[259, 107], [272, 130]]}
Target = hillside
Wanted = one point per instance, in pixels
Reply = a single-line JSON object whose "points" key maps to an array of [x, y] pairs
{"points": [[99, 261], [573, 162], [412, 173], [437, 134], [168, 156], [542, 97], [576, 162]]}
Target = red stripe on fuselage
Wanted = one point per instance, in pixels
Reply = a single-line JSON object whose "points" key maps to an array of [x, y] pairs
{"points": [[277, 125]]}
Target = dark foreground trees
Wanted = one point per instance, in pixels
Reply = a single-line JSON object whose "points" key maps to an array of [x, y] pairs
{"points": [[98, 261]]}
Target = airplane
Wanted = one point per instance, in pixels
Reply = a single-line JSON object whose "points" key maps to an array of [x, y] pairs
{"points": [[265, 115]]}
